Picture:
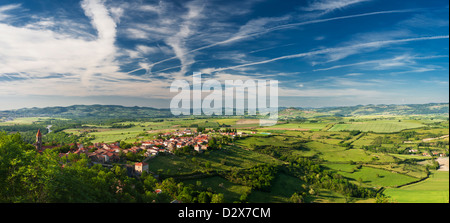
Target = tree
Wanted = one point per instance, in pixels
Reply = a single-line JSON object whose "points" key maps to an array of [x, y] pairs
{"points": [[296, 198], [204, 197], [360, 181], [217, 198]]}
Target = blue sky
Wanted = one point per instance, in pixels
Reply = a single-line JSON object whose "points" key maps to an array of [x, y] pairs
{"points": [[322, 52]]}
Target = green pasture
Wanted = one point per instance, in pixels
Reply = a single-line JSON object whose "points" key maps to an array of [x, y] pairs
{"points": [[113, 135], [413, 170], [182, 123], [234, 157], [379, 126], [231, 191], [27, 120], [172, 165], [327, 196], [220, 160], [266, 140], [300, 126], [371, 177], [281, 190], [334, 153], [435, 189]]}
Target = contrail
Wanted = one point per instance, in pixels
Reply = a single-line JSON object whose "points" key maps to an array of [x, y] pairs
{"points": [[330, 50], [287, 26]]}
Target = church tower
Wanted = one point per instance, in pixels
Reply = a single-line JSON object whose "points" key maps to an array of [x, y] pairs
{"points": [[39, 140]]}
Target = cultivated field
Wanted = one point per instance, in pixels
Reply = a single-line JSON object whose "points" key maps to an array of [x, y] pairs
{"points": [[381, 126], [432, 190]]}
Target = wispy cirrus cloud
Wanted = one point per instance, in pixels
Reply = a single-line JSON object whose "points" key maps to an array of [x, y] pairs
{"points": [[345, 50], [330, 5], [401, 61], [262, 26], [6, 9]]}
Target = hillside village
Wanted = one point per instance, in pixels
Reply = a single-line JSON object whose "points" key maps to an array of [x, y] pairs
{"points": [[109, 153]]}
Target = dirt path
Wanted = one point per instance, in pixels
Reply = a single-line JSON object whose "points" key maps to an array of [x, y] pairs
{"points": [[429, 139], [443, 161]]}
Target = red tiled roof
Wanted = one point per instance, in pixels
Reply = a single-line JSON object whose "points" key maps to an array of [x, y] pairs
{"points": [[141, 164]]}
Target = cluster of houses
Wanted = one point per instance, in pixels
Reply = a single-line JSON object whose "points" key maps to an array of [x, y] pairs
{"points": [[416, 151], [107, 153]]}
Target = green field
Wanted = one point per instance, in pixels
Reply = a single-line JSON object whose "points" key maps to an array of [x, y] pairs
{"points": [[113, 135], [371, 177], [266, 140], [282, 189], [231, 191], [380, 126], [334, 153], [27, 120], [432, 190], [220, 160], [300, 126]]}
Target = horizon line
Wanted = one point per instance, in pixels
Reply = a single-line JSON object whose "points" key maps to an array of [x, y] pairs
{"points": [[286, 107]]}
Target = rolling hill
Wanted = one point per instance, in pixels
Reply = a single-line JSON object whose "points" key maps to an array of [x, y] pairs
{"points": [[117, 111]]}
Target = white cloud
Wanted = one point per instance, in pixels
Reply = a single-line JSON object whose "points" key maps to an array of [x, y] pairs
{"points": [[330, 5], [401, 61], [4, 9], [147, 50], [39, 52], [149, 8]]}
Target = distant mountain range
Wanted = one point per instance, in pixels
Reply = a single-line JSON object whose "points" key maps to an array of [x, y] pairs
{"points": [[116, 111], [412, 109], [89, 111]]}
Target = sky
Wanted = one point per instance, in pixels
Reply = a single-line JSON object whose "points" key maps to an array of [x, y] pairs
{"points": [[322, 52]]}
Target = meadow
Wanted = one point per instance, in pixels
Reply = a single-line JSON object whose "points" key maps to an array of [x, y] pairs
{"points": [[435, 189], [299, 126], [28, 120], [229, 158], [379, 126], [371, 177], [334, 153], [231, 191]]}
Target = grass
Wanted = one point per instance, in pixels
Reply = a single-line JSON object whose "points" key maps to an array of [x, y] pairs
{"points": [[300, 126], [27, 121], [171, 165], [379, 126], [433, 190], [275, 140], [231, 191], [416, 171], [334, 153], [327, 196], [117, 134], [220, 160], [235, 157], [371, 177], [282, 189]]}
